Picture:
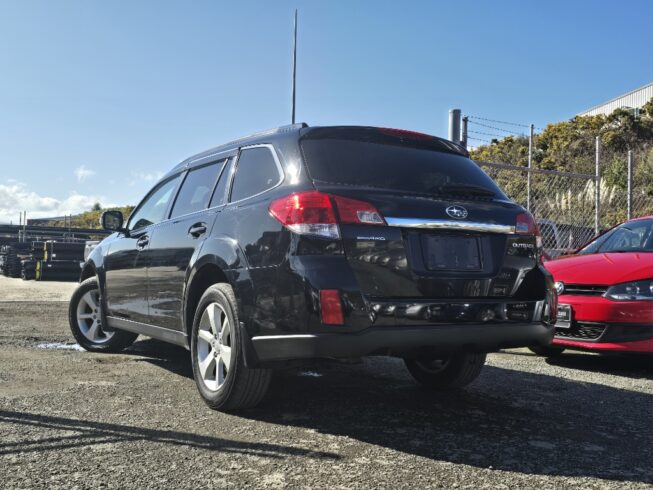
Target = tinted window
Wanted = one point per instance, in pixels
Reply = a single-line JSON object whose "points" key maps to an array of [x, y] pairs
{"points": [[256, 171], [196, 190], [634, 236], [152, 209], [370, 157], [220, 194]]}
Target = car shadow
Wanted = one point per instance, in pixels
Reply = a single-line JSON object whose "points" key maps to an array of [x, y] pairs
{"points": [[171, 357], [635, 366], [509, 419], [84, 433]]}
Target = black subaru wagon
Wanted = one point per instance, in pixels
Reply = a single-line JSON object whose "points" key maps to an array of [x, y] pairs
{"points": [[319, 242]]}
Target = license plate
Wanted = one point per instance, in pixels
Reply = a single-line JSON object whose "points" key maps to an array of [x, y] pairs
{"points": [[454, 253], [564, 316]]}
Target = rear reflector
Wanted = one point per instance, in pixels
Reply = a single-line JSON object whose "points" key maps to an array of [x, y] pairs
{"points": [[331, 307]]}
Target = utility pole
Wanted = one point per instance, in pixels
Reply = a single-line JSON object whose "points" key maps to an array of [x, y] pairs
{"points": [[630, 183], [454, 125], [294, 70], [530, 166], [597, 190]]}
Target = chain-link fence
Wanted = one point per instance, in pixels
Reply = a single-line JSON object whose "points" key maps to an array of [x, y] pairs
{"points": [[565, 204]]}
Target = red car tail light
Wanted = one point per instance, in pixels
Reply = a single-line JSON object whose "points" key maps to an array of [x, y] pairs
{"points": [[357, 212], [331, 307], [307, 213]]}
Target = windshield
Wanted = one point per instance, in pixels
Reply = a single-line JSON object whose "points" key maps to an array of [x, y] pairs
{"points": [[372, 157], [633, 236]]}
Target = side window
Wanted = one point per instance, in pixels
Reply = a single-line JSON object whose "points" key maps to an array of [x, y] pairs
{"points": [[152, 209], [220, 194], [256, 172], [196, 190]]}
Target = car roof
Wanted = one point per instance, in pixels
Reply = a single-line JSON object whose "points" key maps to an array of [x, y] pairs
{"points": [[252, 139], [301, 129]]}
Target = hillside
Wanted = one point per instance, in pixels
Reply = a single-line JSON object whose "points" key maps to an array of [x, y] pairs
{"points": [[91, 218]]}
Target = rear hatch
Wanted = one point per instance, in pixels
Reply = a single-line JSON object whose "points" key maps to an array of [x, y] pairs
{"points": [[448, 231]]}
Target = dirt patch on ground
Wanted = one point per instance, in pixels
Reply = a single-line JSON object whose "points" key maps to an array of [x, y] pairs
{"points": [[19, 290]]}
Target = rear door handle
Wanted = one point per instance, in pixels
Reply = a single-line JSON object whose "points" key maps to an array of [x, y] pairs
{"points": [[142, 242], [197, 230]]}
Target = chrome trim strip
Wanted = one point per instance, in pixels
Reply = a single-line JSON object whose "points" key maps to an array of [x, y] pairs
{"points": [[277, 337], [443, 224]]}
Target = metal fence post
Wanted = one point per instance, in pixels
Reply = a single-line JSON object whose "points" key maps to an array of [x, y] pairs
{"points": [[454, 125], [530, 165], [464, 131], [597, 188], [630, 183]]}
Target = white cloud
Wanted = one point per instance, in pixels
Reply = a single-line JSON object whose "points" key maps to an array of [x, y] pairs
{"points": [[138, 177], [14, 198], [82, 173]]}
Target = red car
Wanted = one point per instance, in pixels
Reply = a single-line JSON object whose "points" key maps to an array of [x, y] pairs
{"points": [[605, 293]]}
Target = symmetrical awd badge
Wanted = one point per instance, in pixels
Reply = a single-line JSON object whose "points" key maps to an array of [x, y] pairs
{"points": [[457, 212]]}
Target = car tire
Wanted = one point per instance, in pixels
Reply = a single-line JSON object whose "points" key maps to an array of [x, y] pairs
{"points": [[223, 380], [546, 350], [85, 319], [456, 371]]}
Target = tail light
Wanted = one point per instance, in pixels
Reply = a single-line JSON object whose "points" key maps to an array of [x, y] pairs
{"points": [[357, 212], [526, 225], [307, 213], [314, 213], [331, 307]]}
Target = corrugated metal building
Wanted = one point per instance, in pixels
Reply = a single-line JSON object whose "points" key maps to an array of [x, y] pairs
{"points": [[632, 100]]}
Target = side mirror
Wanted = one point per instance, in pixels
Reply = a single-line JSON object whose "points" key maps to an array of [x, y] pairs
{"points": [[112, 221]]}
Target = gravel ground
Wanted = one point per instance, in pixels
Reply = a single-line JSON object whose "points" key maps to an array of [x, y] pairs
{"points": [[77, 420]]}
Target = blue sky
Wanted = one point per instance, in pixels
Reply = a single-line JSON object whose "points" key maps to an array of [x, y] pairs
{"points": [[98, 98]]}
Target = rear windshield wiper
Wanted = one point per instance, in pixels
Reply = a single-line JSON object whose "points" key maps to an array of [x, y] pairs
{"points": [[474, 190]]}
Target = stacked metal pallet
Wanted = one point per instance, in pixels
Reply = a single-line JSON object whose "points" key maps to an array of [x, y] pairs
{"points": [[11, 257], [28, 265], [60, 262]]}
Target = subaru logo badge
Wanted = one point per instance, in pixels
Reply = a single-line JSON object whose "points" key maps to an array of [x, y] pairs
{"points": [[457, 212], [560, 287]]}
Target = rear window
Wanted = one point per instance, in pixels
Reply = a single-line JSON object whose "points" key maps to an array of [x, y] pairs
{"points": [[372, 158]]}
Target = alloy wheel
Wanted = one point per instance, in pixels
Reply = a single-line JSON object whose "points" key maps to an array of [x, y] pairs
{"points": [[214, 343], [89, 318]]}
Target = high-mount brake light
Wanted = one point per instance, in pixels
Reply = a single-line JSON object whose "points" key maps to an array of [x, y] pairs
{"points": [[314, 213], [404, 133]]}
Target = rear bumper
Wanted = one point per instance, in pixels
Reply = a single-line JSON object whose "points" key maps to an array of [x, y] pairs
{"points": [[397, 340]]}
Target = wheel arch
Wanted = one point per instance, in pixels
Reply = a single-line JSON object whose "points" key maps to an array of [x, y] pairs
{"points": [[89, 270], [209, 269], [201, 278]]}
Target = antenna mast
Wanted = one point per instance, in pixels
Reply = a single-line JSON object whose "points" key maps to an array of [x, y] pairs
{"points": [[294, 69]]}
